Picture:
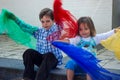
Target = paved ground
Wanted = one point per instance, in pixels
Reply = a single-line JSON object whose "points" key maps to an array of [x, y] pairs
{"points": [[9, 49]]}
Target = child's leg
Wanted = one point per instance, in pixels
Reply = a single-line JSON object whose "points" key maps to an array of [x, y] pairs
{"points": [[72, 68], [70, 74], [88, 77]]}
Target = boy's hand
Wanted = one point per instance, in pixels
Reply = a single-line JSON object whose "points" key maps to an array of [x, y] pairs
{"points": [[10, 15]]}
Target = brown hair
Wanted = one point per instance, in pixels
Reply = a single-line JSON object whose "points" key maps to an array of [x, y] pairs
{"points": [[46, 12], [90, 24]]}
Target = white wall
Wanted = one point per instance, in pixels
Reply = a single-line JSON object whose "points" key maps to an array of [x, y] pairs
{"points": [[28, 10]]}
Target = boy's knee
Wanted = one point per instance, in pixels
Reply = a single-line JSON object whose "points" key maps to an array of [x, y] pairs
{"points": [[27, 52], [50, 55]]}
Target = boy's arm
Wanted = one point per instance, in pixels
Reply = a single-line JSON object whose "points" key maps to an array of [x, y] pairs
{"points": [[24, 26]]}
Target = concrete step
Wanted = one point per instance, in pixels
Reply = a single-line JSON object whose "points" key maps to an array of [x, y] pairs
{"points": [[12, 69]]}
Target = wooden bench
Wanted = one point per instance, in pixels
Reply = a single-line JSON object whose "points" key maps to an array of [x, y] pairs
{"points": [[12, 69]]}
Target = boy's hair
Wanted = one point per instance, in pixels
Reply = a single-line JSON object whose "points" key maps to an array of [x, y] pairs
{"points": [[90, 24], [46, 12]]}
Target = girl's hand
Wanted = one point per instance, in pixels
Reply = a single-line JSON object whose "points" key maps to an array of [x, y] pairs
{"points": [[117, 29]]}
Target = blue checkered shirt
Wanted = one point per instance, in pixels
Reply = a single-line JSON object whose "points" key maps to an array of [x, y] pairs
{"points": [[43, 45]]}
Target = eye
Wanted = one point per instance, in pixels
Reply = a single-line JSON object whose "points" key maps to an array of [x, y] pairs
{"points": [[42, 21]]}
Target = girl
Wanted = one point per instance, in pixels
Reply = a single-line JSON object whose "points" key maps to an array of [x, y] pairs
{"points": [[86, 39]]}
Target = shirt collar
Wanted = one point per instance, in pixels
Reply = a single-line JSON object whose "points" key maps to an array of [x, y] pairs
{"points": [[52, 28]]}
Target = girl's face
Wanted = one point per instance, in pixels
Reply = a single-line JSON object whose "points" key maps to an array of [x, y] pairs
{"points": [[47, 22], [84, 30]]}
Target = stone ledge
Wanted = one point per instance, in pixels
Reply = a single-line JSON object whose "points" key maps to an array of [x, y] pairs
{"points": [[12, 69]]}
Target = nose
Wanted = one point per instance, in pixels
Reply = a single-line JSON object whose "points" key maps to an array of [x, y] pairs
{"points": [[45, 23]]}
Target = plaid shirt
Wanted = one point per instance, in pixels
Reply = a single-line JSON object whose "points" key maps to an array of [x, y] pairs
{"points": [[43, 45]]}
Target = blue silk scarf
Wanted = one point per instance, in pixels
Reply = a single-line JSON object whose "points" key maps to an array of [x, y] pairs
{"points": [[88, 62]]}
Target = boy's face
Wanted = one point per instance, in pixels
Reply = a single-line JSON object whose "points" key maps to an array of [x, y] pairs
{"points": [[84, 30], [46, 22]]}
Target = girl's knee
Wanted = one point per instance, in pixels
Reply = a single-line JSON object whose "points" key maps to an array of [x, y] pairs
{"points": [[88, 77]]}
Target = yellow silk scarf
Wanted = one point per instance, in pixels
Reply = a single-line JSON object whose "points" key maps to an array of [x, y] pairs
{"points": [[113, 44]]}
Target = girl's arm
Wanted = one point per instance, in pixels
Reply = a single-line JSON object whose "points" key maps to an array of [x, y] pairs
{"points": [[64, 40], [73, 40], [103, 36]]}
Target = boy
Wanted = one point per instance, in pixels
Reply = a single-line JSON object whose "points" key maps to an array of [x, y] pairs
{"points": [[46, 57]]}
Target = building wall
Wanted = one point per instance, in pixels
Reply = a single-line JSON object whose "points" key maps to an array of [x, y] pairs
{"points": [[116, 14], [28, 10]]}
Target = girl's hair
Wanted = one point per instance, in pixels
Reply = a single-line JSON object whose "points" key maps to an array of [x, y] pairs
{"points": [[46, 12], [90, 24]]}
